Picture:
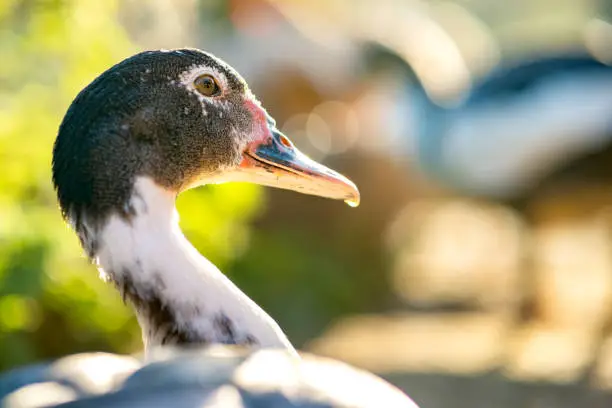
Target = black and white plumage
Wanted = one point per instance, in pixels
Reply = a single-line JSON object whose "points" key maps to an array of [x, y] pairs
{"points": [[135, 138], [148, 128]]}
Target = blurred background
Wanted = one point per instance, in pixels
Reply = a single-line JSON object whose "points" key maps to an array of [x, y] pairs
{"points": [[477, 271]]}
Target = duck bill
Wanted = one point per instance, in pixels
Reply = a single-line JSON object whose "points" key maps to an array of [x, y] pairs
{"points": [[276, 162]]}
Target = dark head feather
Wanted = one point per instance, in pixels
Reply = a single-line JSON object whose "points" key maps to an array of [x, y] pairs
{"points": [[137, 118]]}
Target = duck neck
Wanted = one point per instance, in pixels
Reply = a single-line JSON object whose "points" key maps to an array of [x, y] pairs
{"points": [[179, 296]]}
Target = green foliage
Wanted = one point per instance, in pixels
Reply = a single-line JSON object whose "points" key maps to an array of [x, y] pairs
{"points": [[51, 300]]}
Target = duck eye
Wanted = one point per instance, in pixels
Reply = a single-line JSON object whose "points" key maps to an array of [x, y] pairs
{"points": [[207, 85]]}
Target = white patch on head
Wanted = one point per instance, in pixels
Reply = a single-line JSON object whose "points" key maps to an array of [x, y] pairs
{"points": [[187, 78], [151, 249]]}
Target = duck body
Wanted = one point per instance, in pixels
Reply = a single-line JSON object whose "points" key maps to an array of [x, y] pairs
{"points": [[202, 377], [526, 127], [145, 130]]}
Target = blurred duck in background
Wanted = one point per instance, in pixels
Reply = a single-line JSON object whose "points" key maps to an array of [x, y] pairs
{"points": [[537, 135], [534, 135], [525, 129]]}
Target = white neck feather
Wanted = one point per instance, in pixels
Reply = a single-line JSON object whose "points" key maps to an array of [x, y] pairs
{"points": [[150, 252]]}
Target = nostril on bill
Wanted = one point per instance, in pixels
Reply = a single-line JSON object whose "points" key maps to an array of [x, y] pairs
{"points": [[285, 141]]}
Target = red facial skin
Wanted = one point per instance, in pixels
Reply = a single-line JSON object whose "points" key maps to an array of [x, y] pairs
{"points": [[261, 132], [272, 160]]}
